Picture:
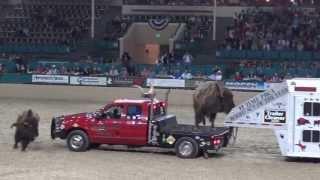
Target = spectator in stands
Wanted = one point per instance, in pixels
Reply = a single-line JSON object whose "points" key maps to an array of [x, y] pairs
{"points": [[86, 71], [199, 75], [163, 59], [171, 58], [219, 75], [186, 75], [187, 59], [53, 70], [124, 73], [96, 71], [75, 71], [288, 29], [288, 76], [113, 72], [40, 69], [216, 76], [275, 78], [176, 74], [238, 77], [145, 72], [63, 70], [152, 73], [127, 63], [163, 73], [1, 69]]}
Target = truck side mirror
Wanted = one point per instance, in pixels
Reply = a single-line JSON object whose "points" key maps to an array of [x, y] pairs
{"points": [[100, 115]]}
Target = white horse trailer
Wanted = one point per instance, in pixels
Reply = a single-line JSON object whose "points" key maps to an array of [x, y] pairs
{"points": [[292, 109]]}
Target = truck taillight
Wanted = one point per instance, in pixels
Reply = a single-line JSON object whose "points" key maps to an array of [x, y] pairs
{"points": [[216, 141]]}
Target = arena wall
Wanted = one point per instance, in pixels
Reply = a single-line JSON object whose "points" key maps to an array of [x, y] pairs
{"points": [[92, 94]]}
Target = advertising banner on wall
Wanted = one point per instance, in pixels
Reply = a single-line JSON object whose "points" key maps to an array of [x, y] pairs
{"points": [[173, 83], [50, 79], [243, 85], [88, 81], [120, 82], [234, 85]]}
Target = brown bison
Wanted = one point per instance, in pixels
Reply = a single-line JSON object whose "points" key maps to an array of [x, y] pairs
{"points": [[209, 99], [27, 129]]}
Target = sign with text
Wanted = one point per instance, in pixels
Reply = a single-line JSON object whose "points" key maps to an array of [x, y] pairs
{"points": [[51, 79], [173, 83], [88, 81], [276, 116]]}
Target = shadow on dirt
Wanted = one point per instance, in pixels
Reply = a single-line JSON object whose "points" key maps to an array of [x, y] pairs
{"points": [[302, 160], [152, 150]]}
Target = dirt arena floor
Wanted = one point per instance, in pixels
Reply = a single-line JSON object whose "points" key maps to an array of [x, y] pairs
{"points": [[254, 156]]}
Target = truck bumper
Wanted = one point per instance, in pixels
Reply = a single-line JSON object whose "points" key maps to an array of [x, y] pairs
{"points": [[56, 132]]}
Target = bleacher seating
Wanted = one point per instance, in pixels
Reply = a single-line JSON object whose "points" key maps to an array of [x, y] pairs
{"points": [[46, 23]]}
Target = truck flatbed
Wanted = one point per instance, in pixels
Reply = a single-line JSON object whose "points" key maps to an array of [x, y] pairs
{"points": [[200, 131]]}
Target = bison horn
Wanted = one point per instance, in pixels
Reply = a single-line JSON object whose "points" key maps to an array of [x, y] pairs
{"points": [[140, 88]]}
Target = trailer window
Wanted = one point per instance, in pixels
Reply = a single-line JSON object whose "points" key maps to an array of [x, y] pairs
{"points": [[311, 109], [311, 136], [315, 136], [316, 109], [306, 136]]}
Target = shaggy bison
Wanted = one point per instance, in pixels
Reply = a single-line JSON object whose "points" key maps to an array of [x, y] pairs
{"points": [[26, 129], [209, 99]]}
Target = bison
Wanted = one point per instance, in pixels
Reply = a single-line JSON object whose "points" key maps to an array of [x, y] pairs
{"points": [[27, 129], [209, 99]]}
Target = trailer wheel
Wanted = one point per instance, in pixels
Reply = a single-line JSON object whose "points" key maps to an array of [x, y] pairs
{"points": [[186, 148], [78, 141]]}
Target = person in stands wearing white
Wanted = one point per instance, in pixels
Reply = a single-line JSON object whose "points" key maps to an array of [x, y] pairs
{"points": [[187, 59], [216, 76], [53, 70], [113, 72], [186, 75]]}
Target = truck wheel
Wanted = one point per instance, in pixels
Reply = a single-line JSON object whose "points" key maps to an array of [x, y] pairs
{"points": [[78, 141], [186, 148]]}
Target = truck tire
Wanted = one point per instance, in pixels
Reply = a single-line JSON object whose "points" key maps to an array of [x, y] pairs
{"points": [[186, 148], [78, 141]]}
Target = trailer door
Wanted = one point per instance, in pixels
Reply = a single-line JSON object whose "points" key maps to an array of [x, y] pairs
{"points": [[307, 125]]}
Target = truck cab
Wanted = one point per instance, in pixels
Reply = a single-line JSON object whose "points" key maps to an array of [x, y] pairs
{"points": [[122, 121]]}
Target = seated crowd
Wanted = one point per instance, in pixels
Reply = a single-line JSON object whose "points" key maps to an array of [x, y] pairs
{"points": [[222, 2], [173, 67], [277, 29], [47, 22], [169, 2]]}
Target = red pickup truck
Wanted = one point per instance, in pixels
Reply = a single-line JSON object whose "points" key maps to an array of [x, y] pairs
{"points": [[139, 122]]}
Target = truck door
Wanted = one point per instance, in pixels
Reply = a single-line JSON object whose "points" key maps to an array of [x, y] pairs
{"points": [[307, 125], [107, 128], [134, 128]]}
